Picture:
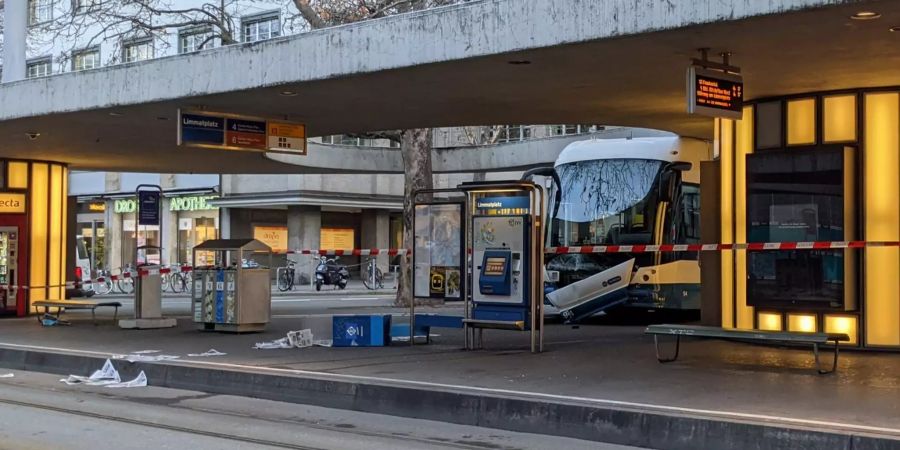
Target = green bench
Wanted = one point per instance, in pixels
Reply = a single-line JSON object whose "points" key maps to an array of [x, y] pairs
{"points": [[697, 331]]}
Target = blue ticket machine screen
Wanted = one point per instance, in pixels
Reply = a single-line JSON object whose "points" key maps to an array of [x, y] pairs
{"points": [[495, 277]]}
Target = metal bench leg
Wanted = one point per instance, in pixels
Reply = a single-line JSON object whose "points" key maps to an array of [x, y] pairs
{"points": [[833, 362], [677, 348]]}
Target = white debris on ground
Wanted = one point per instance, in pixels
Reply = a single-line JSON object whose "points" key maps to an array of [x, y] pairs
{"points": [[6, 375], [210, 352], [107, 376], [136, 357], [294, 339], [144, 352]]}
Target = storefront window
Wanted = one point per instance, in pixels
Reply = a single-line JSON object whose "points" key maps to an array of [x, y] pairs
{"points": [[193, 230], [147, 235]]}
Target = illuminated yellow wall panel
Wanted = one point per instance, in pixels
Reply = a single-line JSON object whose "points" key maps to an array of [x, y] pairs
{"points": [[801, 121], [17, 176], [839, 118], [843, 324], [769, 321], [37, 279], [802, 322], [881, 166], [743, 147], [54, 243], [63, 242], [726, 162]]}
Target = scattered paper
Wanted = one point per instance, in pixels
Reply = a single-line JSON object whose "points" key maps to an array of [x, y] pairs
{"points": [[6, 375], [144, 352], [210, 352], [139, 381], [278, 343], [107, 376], [294, 339], [133, 358], [322, 342]]}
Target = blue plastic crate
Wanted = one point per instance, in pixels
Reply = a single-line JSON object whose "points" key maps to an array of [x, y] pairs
{"points": [[361, 331]]}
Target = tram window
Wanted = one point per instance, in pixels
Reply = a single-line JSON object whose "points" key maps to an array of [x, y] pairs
{"points": [[690, 210]]}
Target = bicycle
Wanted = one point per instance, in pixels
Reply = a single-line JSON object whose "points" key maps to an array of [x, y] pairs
{"points": [[125, 283], [373, 279], [179, 281], [102, 283], [285, 276]]}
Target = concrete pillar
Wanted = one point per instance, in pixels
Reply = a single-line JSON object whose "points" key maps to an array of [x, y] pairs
{"points": [[304, 224], [169, 231], [112, 181], [375, 233], [113, 237], [15, 34], [224, 223]]}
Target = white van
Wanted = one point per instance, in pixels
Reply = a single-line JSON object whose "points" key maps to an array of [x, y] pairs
{"points": [[82, 276]]}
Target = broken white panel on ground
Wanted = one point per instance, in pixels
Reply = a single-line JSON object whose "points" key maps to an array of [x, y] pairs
{"points": [[107, 376], [294, 339], [210, 352], [133, 358]]}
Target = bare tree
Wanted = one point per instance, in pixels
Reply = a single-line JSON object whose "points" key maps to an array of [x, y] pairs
{"points": [[122, 20], [415, 144]]}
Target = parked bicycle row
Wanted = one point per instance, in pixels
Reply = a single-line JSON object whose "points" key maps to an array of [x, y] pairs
{"points": [[177, 278]]}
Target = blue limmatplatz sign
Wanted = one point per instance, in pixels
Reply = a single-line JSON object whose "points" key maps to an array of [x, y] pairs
{"points": [[202, 129]]}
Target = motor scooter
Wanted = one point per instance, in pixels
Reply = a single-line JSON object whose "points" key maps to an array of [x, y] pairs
{"points": [[329, 272]]}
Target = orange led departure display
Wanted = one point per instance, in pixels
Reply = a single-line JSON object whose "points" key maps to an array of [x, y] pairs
{"points": [[715, 94]]}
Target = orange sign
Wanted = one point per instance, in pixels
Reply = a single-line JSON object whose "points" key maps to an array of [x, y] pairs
{"points": [[336, 239], [12, 203], [287, 137], [275, 237]]}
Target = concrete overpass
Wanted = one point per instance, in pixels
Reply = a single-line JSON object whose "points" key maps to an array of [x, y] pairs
{"points": [[503, 61]]}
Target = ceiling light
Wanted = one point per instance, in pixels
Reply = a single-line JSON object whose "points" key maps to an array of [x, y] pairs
{"points": [[865, 15], [115, 114], [288, 93], [895, 29], [519, 62]]}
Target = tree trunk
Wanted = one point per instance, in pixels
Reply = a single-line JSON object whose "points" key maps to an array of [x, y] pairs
{"points": [[415, 149]]}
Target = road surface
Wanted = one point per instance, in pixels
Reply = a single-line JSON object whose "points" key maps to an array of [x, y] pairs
{"points": [[39, 412]]}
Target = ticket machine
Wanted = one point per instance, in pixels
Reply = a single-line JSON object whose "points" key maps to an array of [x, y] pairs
{"points": [[502, 260]]}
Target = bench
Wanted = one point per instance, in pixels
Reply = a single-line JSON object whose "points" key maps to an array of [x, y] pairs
{"points": [[815, 339], [424, 323], [61, 305]]}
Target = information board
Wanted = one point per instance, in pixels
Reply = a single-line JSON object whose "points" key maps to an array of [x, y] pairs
{"points": [[715, 94], [237, 132], [148, 208], [437, 254]]}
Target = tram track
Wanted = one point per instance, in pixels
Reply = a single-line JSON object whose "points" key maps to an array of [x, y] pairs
{"points": [[334, 428]]}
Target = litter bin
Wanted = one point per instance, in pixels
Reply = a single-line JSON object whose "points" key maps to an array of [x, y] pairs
{"points": [[148, 292], [232, 295], [361, 331]]}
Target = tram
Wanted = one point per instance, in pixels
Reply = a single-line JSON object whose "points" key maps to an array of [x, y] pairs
{"points": [[613, 192]]}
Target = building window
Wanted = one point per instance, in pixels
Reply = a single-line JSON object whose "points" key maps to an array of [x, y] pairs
{"points": [[38, 68], [86, 59], [261, 27], [40, 11], [195, 39], [85, 6], [137, 50]]}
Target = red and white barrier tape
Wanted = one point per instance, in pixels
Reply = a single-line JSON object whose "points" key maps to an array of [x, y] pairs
{"points": [[349, 252], [754, 246]]}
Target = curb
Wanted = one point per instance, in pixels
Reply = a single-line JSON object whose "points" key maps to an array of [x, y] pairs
{"points": [[617, 425]]}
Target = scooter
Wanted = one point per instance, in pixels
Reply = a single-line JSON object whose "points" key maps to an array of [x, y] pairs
{"points": [[329, 272]]}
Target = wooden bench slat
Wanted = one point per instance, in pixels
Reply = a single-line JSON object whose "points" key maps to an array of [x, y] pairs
{"points": [[762, 335]]}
